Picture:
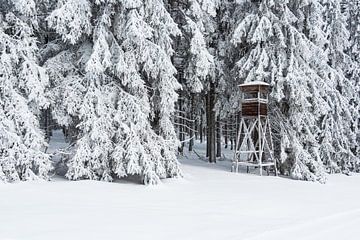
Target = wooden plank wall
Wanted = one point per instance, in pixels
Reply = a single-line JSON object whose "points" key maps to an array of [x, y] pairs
{"points": [[252, 109]]}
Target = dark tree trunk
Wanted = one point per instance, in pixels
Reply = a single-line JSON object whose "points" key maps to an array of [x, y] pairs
{"points": [[201, 128], [196, 124], [207, 131], [218, 137], [233, 132], [192, 123], [211, 124], [46, 122], [226, 135], [237, 120], [181, 127]]}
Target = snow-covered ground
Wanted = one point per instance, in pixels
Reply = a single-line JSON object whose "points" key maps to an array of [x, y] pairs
{"points": [[210, 202]]}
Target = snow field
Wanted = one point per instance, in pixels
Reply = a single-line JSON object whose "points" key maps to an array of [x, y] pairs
{"points": [[210, 202]]}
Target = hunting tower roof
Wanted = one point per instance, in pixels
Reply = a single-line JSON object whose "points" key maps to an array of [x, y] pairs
{"points": [[254, 83]]}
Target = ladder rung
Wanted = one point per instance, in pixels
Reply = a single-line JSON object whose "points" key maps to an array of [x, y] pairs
{"points": [[247, 151], [255, 164]]}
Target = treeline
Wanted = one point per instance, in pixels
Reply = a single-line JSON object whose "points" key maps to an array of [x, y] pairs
{"points": [[132, 81]]}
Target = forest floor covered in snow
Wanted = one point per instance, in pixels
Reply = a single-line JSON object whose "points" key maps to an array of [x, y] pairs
{"points": [[210, 202]]}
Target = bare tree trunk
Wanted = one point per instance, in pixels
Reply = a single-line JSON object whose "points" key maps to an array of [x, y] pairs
{"points": [[207, 130], [46, 122], [201, 130], [226, 135], [181, 127], [233, 132], [211, 124], [237, 120], [218, 137], [192, 124], [196, 124]]}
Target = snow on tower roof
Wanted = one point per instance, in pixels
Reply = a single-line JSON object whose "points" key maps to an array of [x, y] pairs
{"points": [[254, 83]]}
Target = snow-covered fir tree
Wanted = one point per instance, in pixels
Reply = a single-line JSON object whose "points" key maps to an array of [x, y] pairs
{"points": [[353, 20], [201, 27], [195, 59], [122, 80], [293, 46], [22, 95], [112, 73], [338, 138]]}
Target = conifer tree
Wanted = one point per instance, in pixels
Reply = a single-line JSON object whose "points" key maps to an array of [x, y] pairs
{"points": [[196, 62], [124, 80], [353, 23], [22, 86], [338, 137], [287, 45]]}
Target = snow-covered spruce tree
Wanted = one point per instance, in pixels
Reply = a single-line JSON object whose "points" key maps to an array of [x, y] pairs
{"points": [[22, 86], [284, 43], [228, 98], [201, 27], [338, 137], [195, 60], [353, 20], [124, 82], [272, 50]]}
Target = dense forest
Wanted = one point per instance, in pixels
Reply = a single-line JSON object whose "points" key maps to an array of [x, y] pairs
{"points": [[133, 83]]}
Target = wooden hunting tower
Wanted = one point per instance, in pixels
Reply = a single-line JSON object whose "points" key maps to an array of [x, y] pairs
{"points": [[254, 146]]}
